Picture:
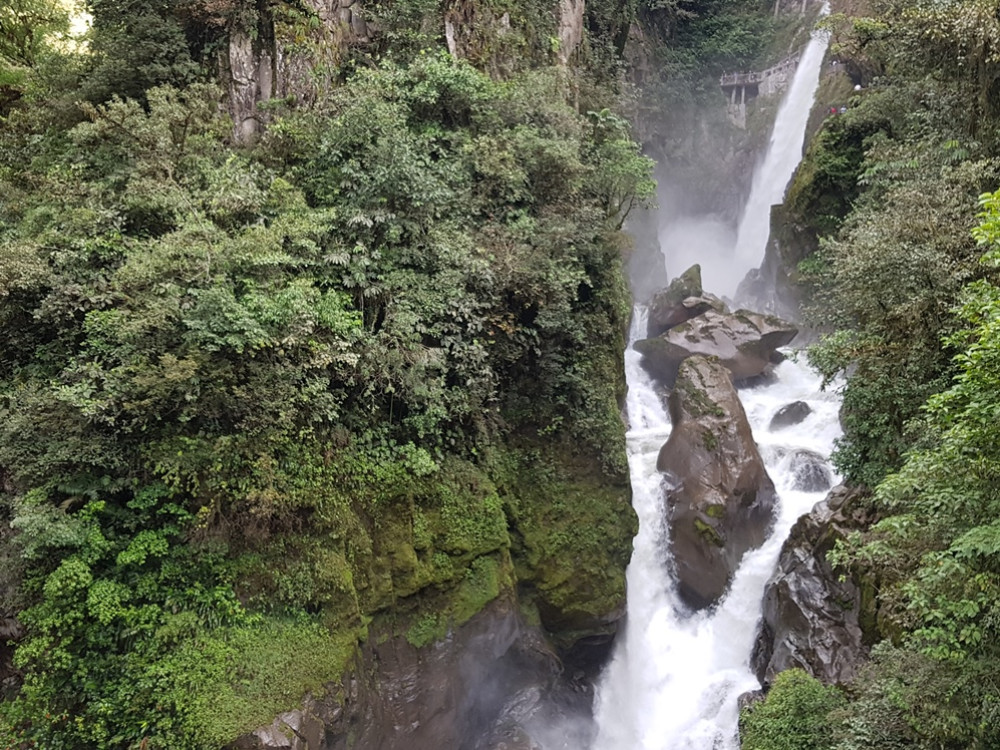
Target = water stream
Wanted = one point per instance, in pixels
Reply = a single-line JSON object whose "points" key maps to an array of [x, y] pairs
{"points": [[676, 676], [674, 680], [784, 152]]}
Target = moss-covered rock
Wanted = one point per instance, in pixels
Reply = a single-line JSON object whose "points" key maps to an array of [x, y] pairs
{"points": [[572, 532], [720, 503]]}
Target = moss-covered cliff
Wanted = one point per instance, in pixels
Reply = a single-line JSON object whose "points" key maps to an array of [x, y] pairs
{"points": [[332, 376]]}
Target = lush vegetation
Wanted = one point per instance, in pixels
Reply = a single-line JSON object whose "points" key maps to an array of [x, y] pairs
{"points": [[911, 298], [794, 716], [257, 400]]}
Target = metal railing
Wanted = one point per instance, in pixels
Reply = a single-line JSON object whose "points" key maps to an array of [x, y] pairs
{"points": [[745, 78]]}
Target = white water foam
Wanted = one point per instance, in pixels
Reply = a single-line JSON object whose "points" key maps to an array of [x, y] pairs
{"points": [[674, 680]]}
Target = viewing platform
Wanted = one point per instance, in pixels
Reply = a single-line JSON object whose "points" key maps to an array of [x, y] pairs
{"points": [[766, 82], [739, 87]]}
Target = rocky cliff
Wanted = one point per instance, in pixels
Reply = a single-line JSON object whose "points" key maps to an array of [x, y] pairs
{"points": [[493, 683], [813, 614]]}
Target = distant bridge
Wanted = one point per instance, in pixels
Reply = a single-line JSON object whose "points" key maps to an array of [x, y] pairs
{"points": [[739, 87], [774, 78]]}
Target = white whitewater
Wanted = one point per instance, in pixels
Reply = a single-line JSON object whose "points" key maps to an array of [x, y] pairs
{"points": [[784, 152], [674, 680]]}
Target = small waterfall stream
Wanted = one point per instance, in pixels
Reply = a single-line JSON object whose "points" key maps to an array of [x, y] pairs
{"points": [[674, 680]]}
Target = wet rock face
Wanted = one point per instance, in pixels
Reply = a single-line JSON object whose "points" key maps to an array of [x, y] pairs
{"points": [[481, 687], [789, 415], [810, 472], [720, 499], [811, 618], [745, 343]]}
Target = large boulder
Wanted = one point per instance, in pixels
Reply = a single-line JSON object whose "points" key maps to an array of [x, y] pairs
{"points": [[811, 618], [745, 343], [663, 318], [720, 501], [789, 415], [666, 308]]}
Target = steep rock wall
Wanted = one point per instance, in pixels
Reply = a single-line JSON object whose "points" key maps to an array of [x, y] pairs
{"points": [[279, 52], [475, 690]]}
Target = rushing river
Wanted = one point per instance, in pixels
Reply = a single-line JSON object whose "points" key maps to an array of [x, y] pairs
{"points": [[675, 677]]}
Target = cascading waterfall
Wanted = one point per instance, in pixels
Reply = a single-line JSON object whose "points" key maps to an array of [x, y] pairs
{"points": [[784, 152], [675, 677]]}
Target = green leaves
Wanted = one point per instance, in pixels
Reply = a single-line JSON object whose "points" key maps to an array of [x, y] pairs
{"points": [[936, 552], [794, 716], [244, 386]]}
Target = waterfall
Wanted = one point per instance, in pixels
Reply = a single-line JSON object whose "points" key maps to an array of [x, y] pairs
{"points": [[675, 676], [784, 152]]}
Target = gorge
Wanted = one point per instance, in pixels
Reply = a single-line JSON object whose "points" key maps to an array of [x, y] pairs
{"points": [[316, 431], [674, 681]]}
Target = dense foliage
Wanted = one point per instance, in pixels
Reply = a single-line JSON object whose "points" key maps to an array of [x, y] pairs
{"points": [[253, 398], [794, 716], [913, 304], [892, 186]]}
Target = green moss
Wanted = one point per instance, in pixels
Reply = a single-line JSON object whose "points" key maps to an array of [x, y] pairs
{"points": [[428, 628], [572, 530], [716, 511], [236, 679], [435, 611], [709, 439], [480, 586], [708, 533], [694, 398]]}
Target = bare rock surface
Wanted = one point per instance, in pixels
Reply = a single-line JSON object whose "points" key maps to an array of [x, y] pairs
{"points": [[720, 499], [811, 618], [789, 415]]}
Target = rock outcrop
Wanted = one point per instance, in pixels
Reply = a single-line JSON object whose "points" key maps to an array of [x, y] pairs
{"points": [[811, 618], [789, 415], [744, 342], [666, 306], [721, 501], [570, 14], [267, 58], [481, 687]]}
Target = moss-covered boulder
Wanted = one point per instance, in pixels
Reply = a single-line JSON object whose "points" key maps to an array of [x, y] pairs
{"points": [[572, 530], [720, 499]]}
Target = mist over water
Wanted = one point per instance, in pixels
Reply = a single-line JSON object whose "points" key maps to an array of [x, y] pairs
{"points": [[675, 677], [707, 240], [727, 254]]}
